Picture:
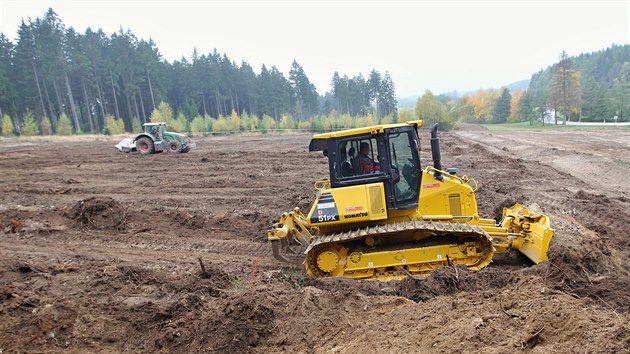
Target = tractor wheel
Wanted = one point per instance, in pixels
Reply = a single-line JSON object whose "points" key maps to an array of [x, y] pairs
{"points": [[174, 147], [185, 150], [145, 146]]}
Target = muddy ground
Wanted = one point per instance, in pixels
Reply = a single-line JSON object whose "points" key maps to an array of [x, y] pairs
{"points": [[100, 251]]}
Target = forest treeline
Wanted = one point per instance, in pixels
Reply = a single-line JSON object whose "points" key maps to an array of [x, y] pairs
{"points": [[591, 87], [53, 73], [588, 87], [54, 80]]}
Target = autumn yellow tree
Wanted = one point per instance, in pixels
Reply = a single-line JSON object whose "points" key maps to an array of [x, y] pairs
{"points": [[235, 122], [483, 103], [406, 114], [287, 122], [7, 126], [432, 111], [163, 113], [113, 126], [515, 107]]}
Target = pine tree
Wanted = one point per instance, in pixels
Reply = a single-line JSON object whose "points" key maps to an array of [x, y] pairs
{"points": [[374, 90], [341, 92], [387, 97], [29, 125], [596, 106], [8, 89], [304, 92], [565, 89], [525, 108], [7, 126], [45, 127], [621, 90], [64, 126], [52, 69], [27, 73], [502, 107]]}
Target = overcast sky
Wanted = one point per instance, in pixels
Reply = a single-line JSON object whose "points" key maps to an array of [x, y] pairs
{"points": [[437, 45]]}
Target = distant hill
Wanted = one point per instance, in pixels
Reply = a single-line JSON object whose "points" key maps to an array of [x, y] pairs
{"points": [[599, 72], [518, 85], [603, 66], [407, 102]]}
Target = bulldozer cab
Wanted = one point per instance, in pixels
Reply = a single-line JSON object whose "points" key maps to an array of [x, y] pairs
{"points": [[385, 154], [370, 220]]}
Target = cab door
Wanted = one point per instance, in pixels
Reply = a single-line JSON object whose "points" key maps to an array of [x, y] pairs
{"points": [[404, 160]]}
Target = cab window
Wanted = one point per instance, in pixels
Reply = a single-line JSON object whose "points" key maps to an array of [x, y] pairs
{"points": [[358, 157], [404, 158]]}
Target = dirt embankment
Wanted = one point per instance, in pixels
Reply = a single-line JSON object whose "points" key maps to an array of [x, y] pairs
{"points": [[100, 251]]}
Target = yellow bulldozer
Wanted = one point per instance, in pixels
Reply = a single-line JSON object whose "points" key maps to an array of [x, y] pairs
{"points": [[380, 216]]}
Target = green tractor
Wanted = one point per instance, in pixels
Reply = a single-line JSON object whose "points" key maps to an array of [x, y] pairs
{"points": [[156, 138]]}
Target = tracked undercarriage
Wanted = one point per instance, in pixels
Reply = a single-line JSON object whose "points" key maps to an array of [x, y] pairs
{"points": [[398, 249], [408, 248]]}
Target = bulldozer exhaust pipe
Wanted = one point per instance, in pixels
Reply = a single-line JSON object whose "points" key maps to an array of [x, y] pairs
{"points": [[435, 152]]}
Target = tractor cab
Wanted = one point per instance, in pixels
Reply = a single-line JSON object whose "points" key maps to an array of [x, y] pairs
{"points": [[386, 154], [155, 130]]}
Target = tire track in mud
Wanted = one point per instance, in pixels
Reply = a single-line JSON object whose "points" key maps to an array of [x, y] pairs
{"points": [[230, 247], [147, 251], [599, 167]]}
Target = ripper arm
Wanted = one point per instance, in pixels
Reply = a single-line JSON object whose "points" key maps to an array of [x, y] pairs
{"points": [[292, 227]]}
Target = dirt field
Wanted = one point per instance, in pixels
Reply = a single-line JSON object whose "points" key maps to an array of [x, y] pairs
{"points": [[99, 251]]}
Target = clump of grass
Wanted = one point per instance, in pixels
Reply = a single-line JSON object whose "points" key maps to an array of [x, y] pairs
{"points": [[238, 283]]}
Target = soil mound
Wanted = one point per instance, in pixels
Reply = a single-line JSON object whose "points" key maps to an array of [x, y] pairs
{"points": [[451, 280], [101, 213], [593, 273], [189, 219]]}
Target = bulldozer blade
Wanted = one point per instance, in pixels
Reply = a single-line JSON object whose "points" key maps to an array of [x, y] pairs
{"points": [[533, 229]]}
